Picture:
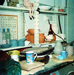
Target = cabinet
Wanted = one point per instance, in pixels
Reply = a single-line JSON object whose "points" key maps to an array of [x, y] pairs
{"points": [[69, 27]]}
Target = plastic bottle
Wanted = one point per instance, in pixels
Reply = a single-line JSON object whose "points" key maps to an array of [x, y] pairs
{"points": [[3, 36], [0, 36], [8, 36]]}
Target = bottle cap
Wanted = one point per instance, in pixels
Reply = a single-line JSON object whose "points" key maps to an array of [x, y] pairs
{"points": [[3, 29], [8, 29]]}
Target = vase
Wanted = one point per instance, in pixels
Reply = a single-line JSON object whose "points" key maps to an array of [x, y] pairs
{"points": [[58, 48], [55, 28]]}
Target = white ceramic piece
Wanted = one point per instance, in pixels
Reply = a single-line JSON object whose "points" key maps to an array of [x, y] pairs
{"points": [[45, 7], [58, 48]]}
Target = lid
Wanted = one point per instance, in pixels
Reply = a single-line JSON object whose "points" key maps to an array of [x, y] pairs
{"points": [[8, 29], [3, 29]]}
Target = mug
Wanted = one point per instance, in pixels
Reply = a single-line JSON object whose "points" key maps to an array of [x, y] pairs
{"points": [[30, 56], [13, 43], [70, 50], [64, 54], [21, 43]]}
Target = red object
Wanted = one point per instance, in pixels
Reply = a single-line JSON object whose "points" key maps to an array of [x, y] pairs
{"points": [[54, 74], [61, 10], [4, 56]]}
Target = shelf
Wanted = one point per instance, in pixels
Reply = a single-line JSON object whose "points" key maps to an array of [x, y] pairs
{"points": [[53, 12], [13, 8], [26, 10], [15, 48]]}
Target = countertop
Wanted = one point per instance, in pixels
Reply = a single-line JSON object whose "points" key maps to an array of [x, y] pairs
{"points": [[50, 66]]}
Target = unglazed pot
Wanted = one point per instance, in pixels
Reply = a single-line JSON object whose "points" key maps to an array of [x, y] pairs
{"points": [[30, 38], [31, 31], [41, 38]]}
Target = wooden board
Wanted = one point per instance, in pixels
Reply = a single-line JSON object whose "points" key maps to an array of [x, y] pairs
{"points": [[69, 58], [24, 72], [28, 67]]}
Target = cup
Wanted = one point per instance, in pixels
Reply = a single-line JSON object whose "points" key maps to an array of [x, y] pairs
{"points": [[17, 5], [70, 50], [13, 43], [21, 43], [64, 54], [30, 56]]}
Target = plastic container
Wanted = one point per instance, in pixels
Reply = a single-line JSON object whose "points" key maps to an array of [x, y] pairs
{"points": [[3, 36], [14, 55], [8, 36]]}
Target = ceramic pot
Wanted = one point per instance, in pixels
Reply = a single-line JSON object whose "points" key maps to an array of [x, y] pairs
{"points": [[58, 48], [61, 10], [30, 38], [13, 43], [70, 50], [31, 31], [27, 36], [55, 28], [54, 38], [51, 37], [41, 38]]}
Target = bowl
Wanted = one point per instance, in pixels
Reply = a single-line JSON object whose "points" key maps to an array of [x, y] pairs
{"points": [[45, 7], [5, 45]]}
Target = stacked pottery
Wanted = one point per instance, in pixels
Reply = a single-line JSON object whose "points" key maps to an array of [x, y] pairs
{"points": [[30, 36]]}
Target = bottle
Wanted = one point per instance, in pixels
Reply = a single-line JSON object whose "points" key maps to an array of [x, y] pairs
{"points": [[3, 36], [51, 33], [50, 30], [0, 36], [8, 36]]}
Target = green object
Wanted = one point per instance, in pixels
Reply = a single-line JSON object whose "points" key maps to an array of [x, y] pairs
{"points": [[10, 67]]}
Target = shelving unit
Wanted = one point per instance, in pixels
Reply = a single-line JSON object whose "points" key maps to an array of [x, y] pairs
{"points": [[69, 16], [36, 21]]}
